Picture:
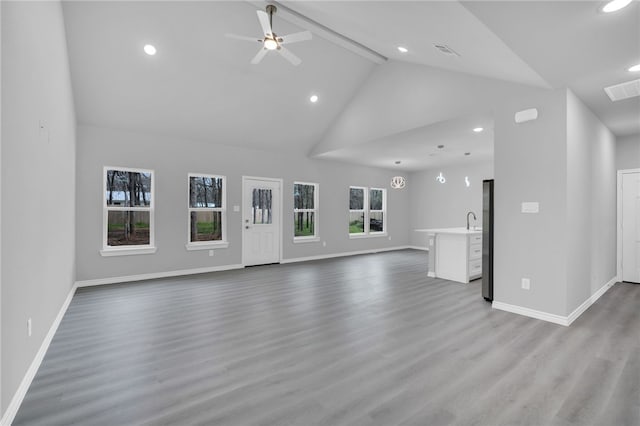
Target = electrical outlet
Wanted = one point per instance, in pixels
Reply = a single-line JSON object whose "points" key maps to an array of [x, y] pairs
{"points": [[211, 253], [389, 238], [526, 283], [324, 244], [29, 327]]}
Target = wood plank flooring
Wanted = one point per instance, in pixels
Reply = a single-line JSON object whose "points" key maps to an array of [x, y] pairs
{"points": [[364, 340]]}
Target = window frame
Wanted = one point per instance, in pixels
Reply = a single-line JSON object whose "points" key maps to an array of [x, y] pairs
{"points": [[383, 211], [365, 216], [367, 213], [128, 250], [207, 245], [316, 229]]}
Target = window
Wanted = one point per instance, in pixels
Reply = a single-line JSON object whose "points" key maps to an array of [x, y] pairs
{"points": [[356, 210], [207, 212], [367, 211], [305, 212], [128, 211]]}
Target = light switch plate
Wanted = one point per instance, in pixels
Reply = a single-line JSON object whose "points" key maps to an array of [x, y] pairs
{"points": [[530, 207], [236, 208]]}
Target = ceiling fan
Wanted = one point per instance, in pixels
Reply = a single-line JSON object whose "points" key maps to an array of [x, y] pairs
{"points": [[271, 40]]}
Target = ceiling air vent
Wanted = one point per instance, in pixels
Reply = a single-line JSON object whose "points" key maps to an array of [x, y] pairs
{"points": [[630, 89], [446, 50]]}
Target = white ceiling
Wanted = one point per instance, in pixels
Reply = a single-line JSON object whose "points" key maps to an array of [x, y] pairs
{"points": [[573, 44], [201, 86], [418, 149]]}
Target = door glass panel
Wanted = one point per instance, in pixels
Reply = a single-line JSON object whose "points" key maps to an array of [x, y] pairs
{"points": [[261, 211]]}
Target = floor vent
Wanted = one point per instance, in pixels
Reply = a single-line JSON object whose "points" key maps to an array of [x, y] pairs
{"points": [[630, 89]]}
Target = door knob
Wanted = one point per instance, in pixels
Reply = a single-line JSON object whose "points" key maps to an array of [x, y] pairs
{"points": [[246, 227]]}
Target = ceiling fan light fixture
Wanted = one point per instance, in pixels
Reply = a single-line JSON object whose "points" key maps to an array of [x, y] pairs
{"points": [[615, 5], [403, 49], [313, 99], [270, 44]]}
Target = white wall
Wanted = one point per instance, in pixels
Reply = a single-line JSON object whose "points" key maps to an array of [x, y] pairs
{"points": [[399, 96], [530, 164], [436, 205], [628, 152], [38, 182], [172, 159], [591, 201], [565, 161]]}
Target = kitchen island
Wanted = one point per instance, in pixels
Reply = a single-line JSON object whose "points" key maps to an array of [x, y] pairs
{"points": [[455, 253]]}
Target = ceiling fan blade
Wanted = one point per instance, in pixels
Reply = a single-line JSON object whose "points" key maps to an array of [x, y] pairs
{"points": [[286, 53], [295, 37], [261, 54], [245, 38], [264, 22]]}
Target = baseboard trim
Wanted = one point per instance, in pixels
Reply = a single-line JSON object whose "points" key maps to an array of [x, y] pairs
{"points": [[532, 313], [343, 254], [21, 392], [590, 300], [556, 319], [155, 275], [418, 248]]}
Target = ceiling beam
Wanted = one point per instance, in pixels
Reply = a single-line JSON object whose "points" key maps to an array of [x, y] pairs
{"points": [[320, 30]]}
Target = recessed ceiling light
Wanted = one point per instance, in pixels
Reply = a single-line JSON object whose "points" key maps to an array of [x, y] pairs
{"points": [[398, 161], [615, 5], [403, 49], [478, 129], [440, 146], [149, 49], [467, 153], [635, 68], [313, 98]]}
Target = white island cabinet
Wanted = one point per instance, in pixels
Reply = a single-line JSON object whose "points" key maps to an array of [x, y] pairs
{"points": [[455, 253]]}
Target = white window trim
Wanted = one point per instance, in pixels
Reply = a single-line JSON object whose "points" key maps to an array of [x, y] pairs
{"points": [[364, 211], [383, 211], [207, 245], [365, 203], [133, 249], [316, 228]]}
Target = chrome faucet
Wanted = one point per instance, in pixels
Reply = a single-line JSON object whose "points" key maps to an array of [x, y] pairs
{"points": [[474, 218]]}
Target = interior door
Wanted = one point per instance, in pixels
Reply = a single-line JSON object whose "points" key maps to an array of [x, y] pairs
{"points": [[261, 221], [631, 227]]}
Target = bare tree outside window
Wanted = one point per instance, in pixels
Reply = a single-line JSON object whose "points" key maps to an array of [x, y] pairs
{"points": [[304, 210], [367, 207], [128, 204], [206, 208], [356, 210]]}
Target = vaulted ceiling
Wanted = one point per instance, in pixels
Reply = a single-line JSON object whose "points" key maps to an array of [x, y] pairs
{"points": [[200, 85]]}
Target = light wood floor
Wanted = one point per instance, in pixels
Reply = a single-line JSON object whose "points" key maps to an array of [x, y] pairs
{"points": [[365, 340]]}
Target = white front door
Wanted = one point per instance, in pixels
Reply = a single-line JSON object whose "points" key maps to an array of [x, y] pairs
{"points": [[631, 227], [261, 221]]}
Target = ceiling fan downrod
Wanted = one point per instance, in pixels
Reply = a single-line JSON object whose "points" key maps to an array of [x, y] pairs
{"points": [[271, 9]]}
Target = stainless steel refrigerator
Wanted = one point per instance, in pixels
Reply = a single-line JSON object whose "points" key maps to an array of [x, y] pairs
{"points": [[487, 239]]}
